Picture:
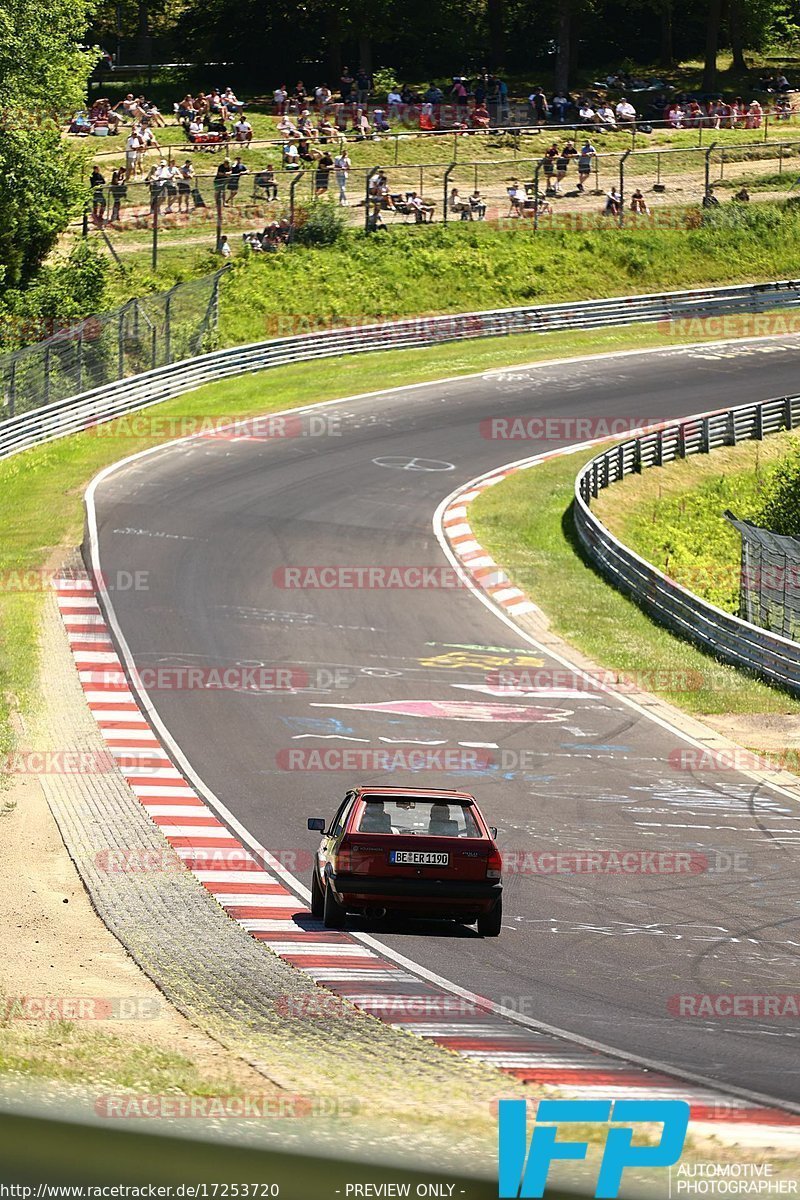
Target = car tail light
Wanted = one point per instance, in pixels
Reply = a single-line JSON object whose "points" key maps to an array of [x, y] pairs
{"points": [[341, 859], [494, 864]]}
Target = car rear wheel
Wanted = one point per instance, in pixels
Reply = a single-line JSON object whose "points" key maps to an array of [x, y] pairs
{"points": [[317, 899], [489, 923], [333, 912]]}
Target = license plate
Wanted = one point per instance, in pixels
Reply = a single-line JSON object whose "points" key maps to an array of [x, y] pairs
{"points": [[419, 858]]}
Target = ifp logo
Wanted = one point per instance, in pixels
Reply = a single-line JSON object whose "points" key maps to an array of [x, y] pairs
{"points": [[523, 1172]]}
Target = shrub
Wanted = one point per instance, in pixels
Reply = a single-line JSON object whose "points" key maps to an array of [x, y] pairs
{"points": [[780, 508], [320, 224]]}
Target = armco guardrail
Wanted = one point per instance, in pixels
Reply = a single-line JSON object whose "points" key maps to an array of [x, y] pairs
{"points": [[102, 404], [768, 655]]}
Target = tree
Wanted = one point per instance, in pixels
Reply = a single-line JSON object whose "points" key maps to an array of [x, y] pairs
{"points": [[713, 21], [564, 50]]}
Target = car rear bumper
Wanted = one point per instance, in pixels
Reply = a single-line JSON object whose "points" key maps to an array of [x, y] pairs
{"points": [[356, 889]]}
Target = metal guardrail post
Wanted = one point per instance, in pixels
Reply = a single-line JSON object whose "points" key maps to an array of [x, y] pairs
{"points": [[367, 181], [47, 374], [12, 389]]}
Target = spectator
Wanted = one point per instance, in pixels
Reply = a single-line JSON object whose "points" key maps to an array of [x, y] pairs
{"points": [[346, 86], [539, 109], [549, 167], [341, 166], [119, 190], [562, 163], [362, 87], [742, 196], [322, 174], [394, 101], [379, 122], [322, 97], [224, 246], [613, 203], [97, 183], [754, 114], [675, 116], [626, 113], [457, 206], [423, 213], [221, 181], [234, 178], [585, 157], [184, 183], [243, 130], [586, 114], [559, 105], [638, 202], [185, 111], [133, 149], [232, 104], [291, 156], [265, 179], [477, 205], [606, 118], [299, 93], [434, 95], [279, 97], [479, 118]]}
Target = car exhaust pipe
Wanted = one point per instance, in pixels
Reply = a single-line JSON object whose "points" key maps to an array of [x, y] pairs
{"points": [[375, 913]]}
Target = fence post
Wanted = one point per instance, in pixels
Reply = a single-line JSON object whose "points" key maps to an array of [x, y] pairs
{"points": [[445, 187], [80, 358], [705, 438], [12, 389], [156, 205], [681, 440], [788, 415], [292, 186], [121, 341], [368, 178], [167, 324], [759, 424], [536, 171], [622, 188], [47, 373], [707, 188], [660, 448]]}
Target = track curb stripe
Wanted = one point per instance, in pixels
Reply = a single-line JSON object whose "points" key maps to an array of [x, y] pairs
{"points": [[273, 915]]}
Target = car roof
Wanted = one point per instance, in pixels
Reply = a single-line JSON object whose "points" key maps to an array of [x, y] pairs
{"points": [[464, 797]]}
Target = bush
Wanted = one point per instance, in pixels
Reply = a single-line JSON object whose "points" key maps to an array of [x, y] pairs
{"points": [[780, 508], [321, 224]]}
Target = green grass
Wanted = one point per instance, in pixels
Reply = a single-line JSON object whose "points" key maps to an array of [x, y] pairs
{"points": [[525, 524], [672, 515], [412, 271], [41, 510]]}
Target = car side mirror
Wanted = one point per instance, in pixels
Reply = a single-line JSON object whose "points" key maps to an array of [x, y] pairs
{"points": [[493, 830], [317, 824]]}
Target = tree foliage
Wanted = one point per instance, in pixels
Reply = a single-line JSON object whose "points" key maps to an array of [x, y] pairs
{"points": [[43, 77], [780, 508]]}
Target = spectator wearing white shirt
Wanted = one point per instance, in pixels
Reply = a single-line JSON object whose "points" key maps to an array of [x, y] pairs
{"points": [[341, 167], [607, 118], [626, 113], [243, 130], [279, 99], [394, 100]]}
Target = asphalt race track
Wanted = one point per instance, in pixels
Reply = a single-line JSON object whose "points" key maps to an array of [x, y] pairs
{"points": [[214, 522]]}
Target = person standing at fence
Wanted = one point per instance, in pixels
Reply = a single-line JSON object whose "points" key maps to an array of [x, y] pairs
{"points": [[221, 182], [119, 190], [587, 153], [234, 179], [133, 148], [341, 166], [97, 182], [183, 183], [563, 161]]}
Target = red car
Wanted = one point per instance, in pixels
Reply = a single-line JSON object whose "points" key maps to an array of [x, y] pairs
{"points": [[412, 851]]}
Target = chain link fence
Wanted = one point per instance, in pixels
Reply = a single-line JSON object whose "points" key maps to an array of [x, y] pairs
{"points": [[152, 331], [769, 591]]}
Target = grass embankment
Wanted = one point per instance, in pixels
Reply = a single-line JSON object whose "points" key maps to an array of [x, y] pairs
{"points": [[413, 271], [672, 516], [525, 524], [41, 491]]}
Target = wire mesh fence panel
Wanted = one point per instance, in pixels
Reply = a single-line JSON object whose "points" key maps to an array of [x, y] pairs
{"points": [[145, 333], [770, 579]]}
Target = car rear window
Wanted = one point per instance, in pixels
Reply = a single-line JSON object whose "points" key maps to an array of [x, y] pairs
{"points": [[431, 818]]}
